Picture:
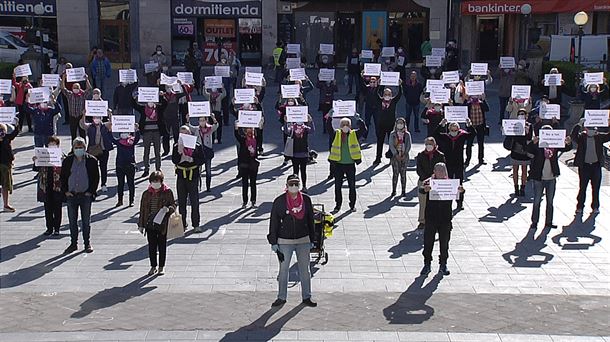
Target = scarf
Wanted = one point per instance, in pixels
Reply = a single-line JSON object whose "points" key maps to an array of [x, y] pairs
{"points": [[549, 153], [251, 144], [186, 154], [454, 139], [519, 100], [151, 113], [203, 130], [79, 94], [213, 97], [430, 154], [170, 96], [299, 130], [385, 104], [474, 101], [295, 206], [127, 142]]}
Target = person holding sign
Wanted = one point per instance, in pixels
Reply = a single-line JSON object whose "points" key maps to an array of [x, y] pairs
{"points": [[122, 98], [205, 133], [227, 83], [156, 205], [126, 164], [76, 105], [477, 107], [49, 190], [188, 157], [260, 90], [386, 119], [21, 88], [258, 130], [507, 80], [162, 61], [517, 104], [553, 91], [44, 118], [589, 159], [519, 155], [327, 96], [247, 162], [297, 147], [170, 99], [439, 215], [325, 61], [592, 94], [345, 154], [6, 162], [543, 173], [400, 146], [216, 97], [100, 144], [371, 102], [150, 126]]}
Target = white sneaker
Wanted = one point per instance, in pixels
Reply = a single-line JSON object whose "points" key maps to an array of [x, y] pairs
{"points": [[104, 188]]}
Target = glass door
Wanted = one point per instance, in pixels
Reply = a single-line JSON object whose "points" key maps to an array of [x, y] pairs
{"points": [[115, 40]]}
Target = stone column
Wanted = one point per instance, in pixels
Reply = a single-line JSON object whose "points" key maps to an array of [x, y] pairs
{"points": [[73, 33], [269, 8]]}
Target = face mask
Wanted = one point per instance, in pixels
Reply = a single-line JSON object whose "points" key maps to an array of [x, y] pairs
{"points": [[290, 103], [97, 121], [96, 97], [223, 61], [345, 129], [433, 70], [400, 126], [79, 152], [593, 89], [399, 50], [387, 97], [44, 106], [521, 117], [124, 135], [202, 123], [293, 189], [155, 185], [324, 60], [453, 133], [437, 108], [158, 52], [150, 104], [506, 71], [53, 146], [429, 148], [76, 91]]}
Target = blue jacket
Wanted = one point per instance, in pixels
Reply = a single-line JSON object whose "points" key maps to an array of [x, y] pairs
{"points": [[125, 155], [106, 136], [43, 120], [95, 63]]}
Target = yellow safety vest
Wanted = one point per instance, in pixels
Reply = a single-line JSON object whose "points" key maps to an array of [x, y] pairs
{"points": [[277, 53], [354, 147]]}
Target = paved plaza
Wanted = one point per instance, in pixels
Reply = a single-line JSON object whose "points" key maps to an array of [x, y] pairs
{"points": [[507, 282]]}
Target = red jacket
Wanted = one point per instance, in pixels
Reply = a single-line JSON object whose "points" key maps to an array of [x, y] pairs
{"points": [[20, 91]]}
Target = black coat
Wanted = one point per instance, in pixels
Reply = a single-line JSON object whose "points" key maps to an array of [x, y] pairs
{"points": [[538, 160], [92, 173], [283, 225], [452, 148], [198, 160], [581, 151], [425, 165]]}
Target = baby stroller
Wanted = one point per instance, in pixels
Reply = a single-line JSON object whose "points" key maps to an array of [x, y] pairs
{"points": [[323, 226]]}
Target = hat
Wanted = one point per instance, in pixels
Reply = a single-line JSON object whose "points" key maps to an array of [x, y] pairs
{"points": [[292, 178]]}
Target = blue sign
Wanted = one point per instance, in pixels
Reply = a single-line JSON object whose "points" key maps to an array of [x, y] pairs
{"points": [[37, 8]]}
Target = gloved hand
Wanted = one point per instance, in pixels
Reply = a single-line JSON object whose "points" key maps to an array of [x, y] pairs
{"points": [[275, 248]]}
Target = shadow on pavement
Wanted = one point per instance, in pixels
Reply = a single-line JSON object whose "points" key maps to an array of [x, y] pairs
{"points": [[411, 242], [258, 330], [528, 252], [571, 235], [10, 252], [504, 211], [31, 273], [411, 307]]}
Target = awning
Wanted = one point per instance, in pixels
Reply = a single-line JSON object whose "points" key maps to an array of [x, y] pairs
{"points": [[538, 6]]}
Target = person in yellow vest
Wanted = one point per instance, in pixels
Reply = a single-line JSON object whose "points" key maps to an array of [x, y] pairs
{"points": [[345, 154], [279, 59]]}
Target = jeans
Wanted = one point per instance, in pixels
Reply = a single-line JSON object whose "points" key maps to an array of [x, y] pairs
{"points": [[126, 172], [412, 110], [102, 161], [188, 188], [152, 138], [248, 179], [349, 171], [82, 202], [302, 252], [592, 173], [547, 186], [300, 165], [156, 242], [479, 133], [444, 234], [40, 140], [503, 104], [52, 210]]}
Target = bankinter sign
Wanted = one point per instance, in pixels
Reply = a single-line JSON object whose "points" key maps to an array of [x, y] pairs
{"points": [[475, 7], [196, 8]]}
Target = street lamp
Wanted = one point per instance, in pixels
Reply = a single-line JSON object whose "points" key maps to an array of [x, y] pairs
{"points": [[580, 19], [526, 10]]}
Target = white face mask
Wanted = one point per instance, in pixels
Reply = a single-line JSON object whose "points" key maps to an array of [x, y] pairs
{"points": [[53, 146], [400, 126], [520, 117], [437, 108], [155, 185], [158, 52], [387, 97], [76, 91], [44, 106], [429, 148], [453, 133], [150, 104], [96, 97], [345, 129], [293, 189], [124, 135]]}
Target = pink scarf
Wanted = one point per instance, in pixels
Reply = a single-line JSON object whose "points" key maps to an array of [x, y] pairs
{"points": [[299, 130], [295, 206], [549, 153], [127, 142], [153, 191], [251, 144], [203, 130], [385, 104], [151, 113]]}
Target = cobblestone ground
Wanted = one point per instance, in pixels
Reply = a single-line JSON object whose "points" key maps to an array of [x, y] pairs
{"points": [[508, 283]]}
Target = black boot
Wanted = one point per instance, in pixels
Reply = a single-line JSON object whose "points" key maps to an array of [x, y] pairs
{"points": [[517, 192], [426, 270], [444, 270], [522, 190]]}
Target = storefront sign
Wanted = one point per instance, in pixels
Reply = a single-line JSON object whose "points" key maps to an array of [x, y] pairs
{"points": [[28, 8], [183, 27], [538, 7], [222, 28], [205, 9], [210, 51]]}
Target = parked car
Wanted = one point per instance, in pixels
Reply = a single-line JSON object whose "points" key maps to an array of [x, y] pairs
{"points": [[12, 47]]}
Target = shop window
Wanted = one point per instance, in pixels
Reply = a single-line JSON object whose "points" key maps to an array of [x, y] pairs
{"points": [[250, 41], [114, 30], [312, 30]]}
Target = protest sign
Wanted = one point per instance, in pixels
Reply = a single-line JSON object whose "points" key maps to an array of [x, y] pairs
{"points": [[456, 113], [188, 140], [213, 82], [7, 115], [433, 61], [327, 49], [222, 70], [185, 77], [520, 91], [50, 80], [75, 74], [596, 117], [475, 88], [249, 118], [390, 78], [344, 108], [451, 77], [507, 62], [290, 91], [513, 127], [552, 138], [199, 109], [48, 157], [297, 113], [372, 69], [123, 123], [96, 108], [244, 95], [22, 70], [440, 95], [148, 94], [552, 79], [297, 74], [326, 74], [444, 189], [479, 69], [128, 76], [254, 79]]}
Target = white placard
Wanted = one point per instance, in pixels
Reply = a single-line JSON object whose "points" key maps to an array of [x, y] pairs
{"points": [[344, 108], [75, 74], [123, 123], [296, 113], [186, 77], [440, 52], [433, 61], [297, 74], [38, 95], [48, 157], [596, 117], [372, 69], [552, 79], [390, 78], [167, 80], [254, 69], [434, 85], [23, 70], [594, 78], [444, 189], [254, 79], [128, 76], [478, 69], [6, 86], [552, 138], [222, 70], [475, 87], [327, 49], [400, 60], [249, 118], [456, 113], [96, 108], [293, 48], [148, 94], [177, 88], [188, 140], [388, 51], [440, 95], [513, 127], [244, 95], [520, 91], [326, 74], [291, 91], [507, 62], [451, 76], [550, 111], [150, 67], [199, 109], [50, 80], [366, 54], [213, 82], [7, 115], [293, 63]]}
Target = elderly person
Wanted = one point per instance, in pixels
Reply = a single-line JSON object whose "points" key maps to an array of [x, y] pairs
{"points": [[425, 162], [400, 145], [79, 180], [76, 105], [291, 230], [7, 157], [49, 191], [345, 154], [387, 117]]}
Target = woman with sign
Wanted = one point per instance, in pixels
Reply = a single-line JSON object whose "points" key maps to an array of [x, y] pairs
{"points": [[247, 161], [49, 191], [100, 144], [216, 97], [205, 132], [519, 155], [592, 95], [327, 96], [298, 148], [21, 88], [553, 91], [477, 107], [170, 99], [151, 126], [507, 80], [6, 161], [125, 164]]}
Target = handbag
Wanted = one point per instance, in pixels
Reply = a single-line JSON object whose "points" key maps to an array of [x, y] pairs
{"points": [[289, 147], [175, 228], [508, 143], [95, 150]]}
